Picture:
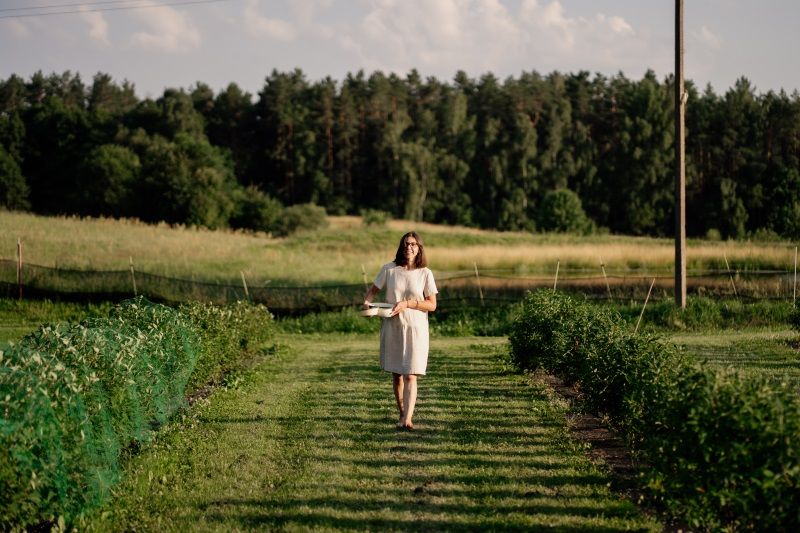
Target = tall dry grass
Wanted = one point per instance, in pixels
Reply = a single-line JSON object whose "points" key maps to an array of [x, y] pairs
{"points": [[337, 253]]}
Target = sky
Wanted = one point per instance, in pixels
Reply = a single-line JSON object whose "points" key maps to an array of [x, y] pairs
{"points": [[182, 42]]}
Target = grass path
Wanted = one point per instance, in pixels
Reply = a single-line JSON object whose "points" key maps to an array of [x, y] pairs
{"points": [[307, 442]]}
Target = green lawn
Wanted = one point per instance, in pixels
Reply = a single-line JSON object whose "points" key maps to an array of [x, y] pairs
{"points": [[307, 442], [773, 353]]}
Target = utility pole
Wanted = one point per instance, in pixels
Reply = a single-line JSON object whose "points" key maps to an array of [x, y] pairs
{"points": [[680, 167]]}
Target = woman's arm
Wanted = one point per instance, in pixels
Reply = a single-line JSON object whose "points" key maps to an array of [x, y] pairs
{"points": [[428, 304], [370, 295]]}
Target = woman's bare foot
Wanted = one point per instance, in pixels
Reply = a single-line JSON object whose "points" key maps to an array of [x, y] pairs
{"points": [[400, 421], [408, 425]]}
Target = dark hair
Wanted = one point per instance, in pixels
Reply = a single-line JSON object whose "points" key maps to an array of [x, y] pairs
{"points": [[400, 257]]}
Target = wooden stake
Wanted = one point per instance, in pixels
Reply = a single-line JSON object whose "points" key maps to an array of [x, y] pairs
{"points": [[133, 277], [603, 268], [364, 276], [555, 281], [729, 274], [244, 283], [794, 289], [19, 266], [477, 277], [644, 306]]}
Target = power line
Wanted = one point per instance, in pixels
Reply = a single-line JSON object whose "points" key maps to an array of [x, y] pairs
{"points": [[121, 8], [79, 4]]}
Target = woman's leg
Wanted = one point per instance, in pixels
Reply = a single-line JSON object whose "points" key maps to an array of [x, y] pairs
{"points": [[397, 385], [409, 398]]}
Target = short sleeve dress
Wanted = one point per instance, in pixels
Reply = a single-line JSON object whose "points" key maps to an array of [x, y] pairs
{"points": [[404, 337]]}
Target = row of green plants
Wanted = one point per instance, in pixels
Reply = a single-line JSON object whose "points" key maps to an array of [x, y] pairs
{"points": [[78, 398], [701, 313], [720, 450]]}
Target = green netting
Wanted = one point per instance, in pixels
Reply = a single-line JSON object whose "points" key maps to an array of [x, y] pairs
{"points": [[73, 397]]}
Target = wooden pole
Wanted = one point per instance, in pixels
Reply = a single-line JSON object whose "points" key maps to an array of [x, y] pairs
{"points": [[603, 268], [244, 283], [680, 168], [364, 277], [19, 266], [794, 289], [477, 277], [730, 274], [133, 276], [644, 306], [555, 281]]}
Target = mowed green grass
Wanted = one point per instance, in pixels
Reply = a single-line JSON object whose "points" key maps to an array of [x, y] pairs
{"points": [[19, 317], [307, 442], [772, 353]]}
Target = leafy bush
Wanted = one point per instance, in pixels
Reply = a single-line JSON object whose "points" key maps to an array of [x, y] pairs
{"points": [[74, 397], [375, 217], [255, 210], [301, 217], [561, 211], [722, 449]]}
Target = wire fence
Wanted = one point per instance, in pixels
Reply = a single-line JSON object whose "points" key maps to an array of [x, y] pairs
{"points": [[478, 287]]}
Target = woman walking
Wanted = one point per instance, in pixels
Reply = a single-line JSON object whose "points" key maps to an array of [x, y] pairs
{"points": [[404, 336]]}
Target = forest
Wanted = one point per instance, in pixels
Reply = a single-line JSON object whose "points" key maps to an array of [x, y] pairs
{"points": [[558, 152]]}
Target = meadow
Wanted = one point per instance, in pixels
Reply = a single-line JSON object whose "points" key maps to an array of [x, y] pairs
{"points": [[337, 253], [747, 336]]}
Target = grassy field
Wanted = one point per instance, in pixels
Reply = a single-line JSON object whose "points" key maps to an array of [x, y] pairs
{"points": [[337, 253], [765, 352], [307, 442]]}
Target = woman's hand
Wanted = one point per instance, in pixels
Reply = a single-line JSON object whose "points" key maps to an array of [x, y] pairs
{"points": [[399, 306]]}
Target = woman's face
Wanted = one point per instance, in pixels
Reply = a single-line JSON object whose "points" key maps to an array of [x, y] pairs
{"points": [[411, 249]]}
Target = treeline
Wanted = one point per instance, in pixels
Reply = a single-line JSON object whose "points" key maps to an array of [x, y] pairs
{"points": [[531, 153]]}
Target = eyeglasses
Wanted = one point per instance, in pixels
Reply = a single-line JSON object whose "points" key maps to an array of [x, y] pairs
{"points": [[412, 244]]}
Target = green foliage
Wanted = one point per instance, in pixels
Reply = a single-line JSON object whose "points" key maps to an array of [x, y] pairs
{"points": [[107, 181], [721, 447], [375, 217], [13, 187], [256, 210], [708, 313], [74, 398], [561, 211], [480, 152], [301, 217]]}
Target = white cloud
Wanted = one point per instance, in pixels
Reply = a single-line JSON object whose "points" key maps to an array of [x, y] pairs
{"points": [[273, 28], [709, 38], [442, 36], [170, 30], [14, 27], [98, 27]]}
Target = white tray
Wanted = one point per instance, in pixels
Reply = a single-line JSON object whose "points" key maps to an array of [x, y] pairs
{"points": [[380, 309]]}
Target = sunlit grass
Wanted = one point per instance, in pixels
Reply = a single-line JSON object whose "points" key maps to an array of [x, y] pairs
{"points": [[308, 443], [771, 353], [337, 253]]}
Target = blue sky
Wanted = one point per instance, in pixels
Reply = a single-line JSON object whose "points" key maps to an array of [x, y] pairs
{"points": [[223, 41]]}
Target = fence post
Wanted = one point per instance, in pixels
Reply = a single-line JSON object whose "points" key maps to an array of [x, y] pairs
{"points": [[644, 306], [555, 281], [19, 266], [133, 277], [244, 283], [364, 277], [729, 274], [477, 277], [603, 268], [794, 288]]}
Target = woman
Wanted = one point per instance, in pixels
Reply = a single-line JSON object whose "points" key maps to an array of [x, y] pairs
{"points": [[404, 336]]}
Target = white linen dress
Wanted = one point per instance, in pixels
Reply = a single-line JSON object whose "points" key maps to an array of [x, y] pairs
{"points": [[404, 337]]}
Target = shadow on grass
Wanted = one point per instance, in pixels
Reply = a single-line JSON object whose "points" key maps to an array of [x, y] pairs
{"points": [[496, 466]]}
